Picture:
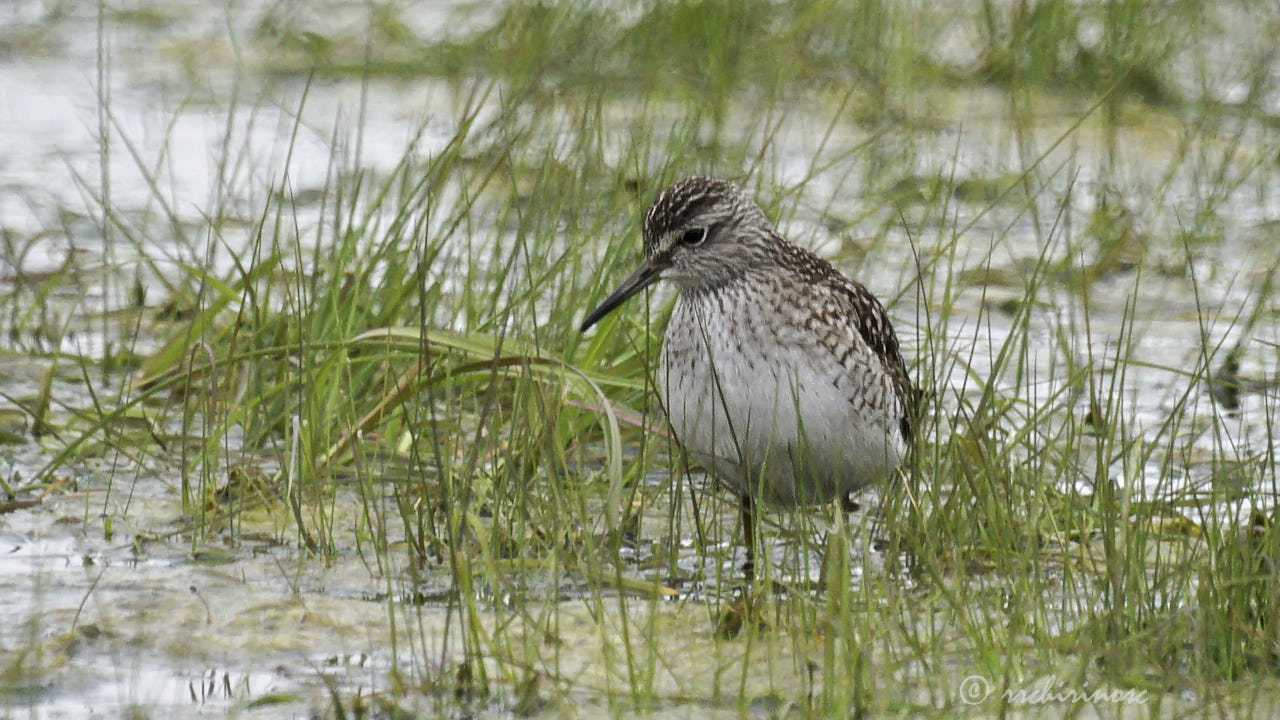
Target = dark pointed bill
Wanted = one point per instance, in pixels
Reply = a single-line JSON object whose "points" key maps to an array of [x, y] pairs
{"points": [[647, 274]]}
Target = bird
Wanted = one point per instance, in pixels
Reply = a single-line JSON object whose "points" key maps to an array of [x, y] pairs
{"points": [[778, 374]]}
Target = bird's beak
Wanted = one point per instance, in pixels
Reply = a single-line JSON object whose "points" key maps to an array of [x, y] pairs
{"points": [[647, 274]]}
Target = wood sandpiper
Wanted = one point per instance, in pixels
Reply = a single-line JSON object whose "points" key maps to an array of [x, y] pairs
{"points": [[778, 374]]}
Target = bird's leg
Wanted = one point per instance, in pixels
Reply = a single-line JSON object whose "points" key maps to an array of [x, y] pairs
{"points": [[839, 535], [749, 539], [848, 506], [743, 611]]}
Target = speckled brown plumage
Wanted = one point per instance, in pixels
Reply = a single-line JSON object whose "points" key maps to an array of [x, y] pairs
{"points": [[831, 300], [778, 373]]}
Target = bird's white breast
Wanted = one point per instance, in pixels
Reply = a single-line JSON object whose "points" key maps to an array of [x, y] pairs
{"points": [[769, 410]]}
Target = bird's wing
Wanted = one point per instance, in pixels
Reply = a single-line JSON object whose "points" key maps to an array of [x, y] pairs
{"points": [[865, 313]]}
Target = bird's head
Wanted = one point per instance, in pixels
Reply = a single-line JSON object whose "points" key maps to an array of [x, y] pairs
{"points": [[701, 233]]}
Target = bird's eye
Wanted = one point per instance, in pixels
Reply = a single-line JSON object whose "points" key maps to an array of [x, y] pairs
{"points": [[693, 236]]}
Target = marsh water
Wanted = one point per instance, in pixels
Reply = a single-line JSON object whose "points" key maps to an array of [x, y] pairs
{"points": [[173, 112]]}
